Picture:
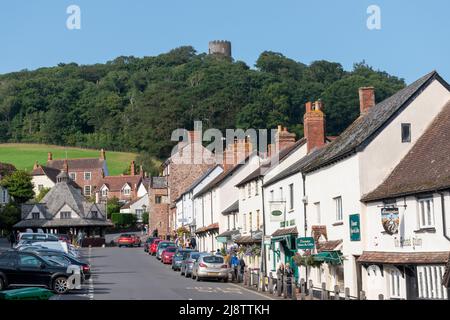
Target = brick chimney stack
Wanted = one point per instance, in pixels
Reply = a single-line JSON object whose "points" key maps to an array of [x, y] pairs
{"points": [[284, 139], [141, 172], [132, 169], [66, 166], [102, 154], [49, 156], [236, 152], [314, 125], [366, 99]]}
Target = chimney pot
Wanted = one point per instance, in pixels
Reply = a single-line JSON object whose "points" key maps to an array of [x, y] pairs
{"points": [[366, 99], [49, 156], [132, 169]]}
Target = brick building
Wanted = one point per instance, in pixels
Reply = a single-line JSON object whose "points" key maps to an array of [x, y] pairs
{"points": [[158, 206]]}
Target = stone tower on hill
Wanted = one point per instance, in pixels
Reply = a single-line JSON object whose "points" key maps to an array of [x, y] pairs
{"points": [[220, 47]]}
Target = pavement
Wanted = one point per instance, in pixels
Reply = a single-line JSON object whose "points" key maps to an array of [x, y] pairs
{"points": [[132, 274]]}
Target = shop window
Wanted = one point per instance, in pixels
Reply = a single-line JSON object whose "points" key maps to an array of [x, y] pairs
{"points": [[426, 213], [429, 282]]}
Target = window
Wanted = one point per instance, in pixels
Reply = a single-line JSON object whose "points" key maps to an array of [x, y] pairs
{"points": [[87, 176], [249, 186], [126, 190], [250, 221], [258, 224], [158, 199], [139, 213], [406, 132], [35, 215], [228, 222], [339, 277], [338, 204], [429, 282], [256, 187], [73, 176], [87, 191], [394, 283], [28, 261], [66, 215], [94, 214], [291, 196], [318, 218], [4, 195], [245, 222], [426, 213], [104, 192], [40, 187]]}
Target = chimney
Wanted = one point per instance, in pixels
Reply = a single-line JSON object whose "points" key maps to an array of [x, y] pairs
{"points": [[66, 166], [141, 171], [366, 99], [49, 156], [36, 165], [284, 139], [314, 125], [97, 197], [102, 154], [132, 169], [236, 152]]}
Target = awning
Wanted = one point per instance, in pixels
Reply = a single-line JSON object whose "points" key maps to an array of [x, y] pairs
{"points": [[288, 239], [332, 257], [227, 235], [378, 257]]}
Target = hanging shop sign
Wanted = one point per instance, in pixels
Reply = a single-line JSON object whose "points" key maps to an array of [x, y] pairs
{"points": [[390, 220], [222, 239], [277, 211], [305, 243], [355, 227]]}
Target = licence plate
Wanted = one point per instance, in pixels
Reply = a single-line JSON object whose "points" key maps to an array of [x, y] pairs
{"points": [[213, 273]]}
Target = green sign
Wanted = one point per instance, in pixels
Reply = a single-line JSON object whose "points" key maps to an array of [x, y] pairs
{"points": [[355, 228], [277, 213], [305, 243], [222, 239]]}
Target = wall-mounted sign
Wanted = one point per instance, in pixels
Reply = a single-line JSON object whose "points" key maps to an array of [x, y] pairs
{"points": [[305, 243], [355, 227], [390, 220], [277, 211], [222, 239]]}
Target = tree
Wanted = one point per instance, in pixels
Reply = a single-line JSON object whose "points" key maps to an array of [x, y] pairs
{"points": [[9, 216], [145, 218], [113, 206], [19, 186], [42, 194]]}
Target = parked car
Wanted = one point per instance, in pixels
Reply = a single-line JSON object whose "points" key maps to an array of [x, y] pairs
{"points": [[148, 243], [65, 259], [210, 266], [154, 247], [25, 269], [64, 237], [188, 263], [37, 237], [163, 245], [167, 255], [178, 258], [129, 240]]}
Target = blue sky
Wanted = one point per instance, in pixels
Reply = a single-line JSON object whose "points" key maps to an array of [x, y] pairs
{"points": [[413, 40]]}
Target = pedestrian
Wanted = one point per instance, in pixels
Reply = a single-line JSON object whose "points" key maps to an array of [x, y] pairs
{"points": [[242, 267], [12, 239], [193, 243], [280, 275], [288, 273], [235, 265], [218, 253]]}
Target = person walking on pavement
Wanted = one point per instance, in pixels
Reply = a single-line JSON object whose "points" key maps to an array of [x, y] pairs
{"points": [[241, 267], [288, 273], [235, 265], [280, 275], [12, 239]]}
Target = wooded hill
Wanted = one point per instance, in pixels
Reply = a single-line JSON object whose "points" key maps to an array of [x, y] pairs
{"points": [[133, 104]]}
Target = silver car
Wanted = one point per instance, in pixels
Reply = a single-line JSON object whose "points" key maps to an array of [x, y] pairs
{"points": [[162, 246], [210, 266], [188, 263]]}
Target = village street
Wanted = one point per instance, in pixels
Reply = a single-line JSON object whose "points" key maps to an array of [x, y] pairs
{"points": [[132, 274]]}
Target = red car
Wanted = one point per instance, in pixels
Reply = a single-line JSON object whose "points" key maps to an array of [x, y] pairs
{"points": [[154, 247], [167, 255], [129, 240]]}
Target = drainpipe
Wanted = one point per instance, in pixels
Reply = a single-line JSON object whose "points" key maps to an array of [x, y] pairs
{"points": [[444, 222], [305, 222], [263, 246]]}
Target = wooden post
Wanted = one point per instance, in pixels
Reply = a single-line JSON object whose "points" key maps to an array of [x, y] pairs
{"points": [[323, 295], [347, 293], [293, 289], [362, 295], [270, 283], [381, 297], [336, 292]]}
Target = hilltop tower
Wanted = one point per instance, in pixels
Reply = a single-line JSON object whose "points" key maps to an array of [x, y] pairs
{"points": [[220, 47]]}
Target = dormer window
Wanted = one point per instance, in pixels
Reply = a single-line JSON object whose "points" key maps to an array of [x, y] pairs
{"points": [[104, 192], [94, 214], [66, 215], [73, 176], [35, 215], [126, 190], [406, 132]]}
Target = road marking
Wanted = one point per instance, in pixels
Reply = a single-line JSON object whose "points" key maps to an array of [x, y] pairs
{"points": [[254, 292]]}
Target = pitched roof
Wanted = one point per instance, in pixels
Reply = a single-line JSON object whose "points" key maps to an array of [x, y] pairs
{"points": [[35, 223], [361, 131], [231, 209], [404, 257], [77, 164], [50, 172], [328, 245], [197, 182], [283, 232], [130, 203], [425, 168], [116, 183]]}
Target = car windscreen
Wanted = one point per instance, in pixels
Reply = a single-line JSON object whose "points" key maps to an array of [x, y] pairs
{"points": [[171, 249], [213, 259], [166, 244], [125, 236]]}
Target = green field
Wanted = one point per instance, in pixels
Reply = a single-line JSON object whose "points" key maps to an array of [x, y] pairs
{"points": [[23, 156]]}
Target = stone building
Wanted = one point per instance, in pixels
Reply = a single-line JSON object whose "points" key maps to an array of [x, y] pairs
{"points": [[158, 207]]}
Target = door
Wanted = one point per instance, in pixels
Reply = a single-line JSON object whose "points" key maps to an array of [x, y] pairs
{"points": [[30, 270]]}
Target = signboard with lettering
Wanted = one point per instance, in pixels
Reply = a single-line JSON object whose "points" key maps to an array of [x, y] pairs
{"points": [[305, 243], [355, 227], [222, 239], [390, 219], [277, 211]]}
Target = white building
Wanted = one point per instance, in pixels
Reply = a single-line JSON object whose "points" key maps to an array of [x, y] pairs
{"points": [[137, 207], [336, 176], [407, 225], [43, 177], [4, 196]]}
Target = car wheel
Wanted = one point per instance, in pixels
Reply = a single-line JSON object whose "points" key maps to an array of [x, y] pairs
{"points": [[60, 285], [181, 272]]}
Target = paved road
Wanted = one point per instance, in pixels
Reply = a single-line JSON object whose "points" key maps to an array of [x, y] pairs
{"points": [[131, 274]]}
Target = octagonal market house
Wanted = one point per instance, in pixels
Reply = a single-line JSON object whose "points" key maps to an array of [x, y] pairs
{"points": [[65, 210]]}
